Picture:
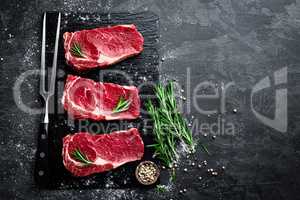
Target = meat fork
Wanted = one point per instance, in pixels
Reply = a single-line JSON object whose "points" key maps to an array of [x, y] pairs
{"points": [[42, 169]]}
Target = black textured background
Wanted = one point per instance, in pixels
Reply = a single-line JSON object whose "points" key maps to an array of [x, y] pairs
{"points": [[220, 41]]}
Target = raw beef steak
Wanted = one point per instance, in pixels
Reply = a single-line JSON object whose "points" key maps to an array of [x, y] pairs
{"points": [[103, 151], [101, 47], [85, 98]]}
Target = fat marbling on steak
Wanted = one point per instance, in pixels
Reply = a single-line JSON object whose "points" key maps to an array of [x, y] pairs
{"points": [[86, 99], [104, 151], [101, 47]]}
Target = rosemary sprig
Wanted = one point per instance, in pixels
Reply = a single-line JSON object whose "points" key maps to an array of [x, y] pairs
{"points": [[161, 188], [173, 175], [122, 105], [76, 50], [78, 155], [169, 125], [165, 147]]}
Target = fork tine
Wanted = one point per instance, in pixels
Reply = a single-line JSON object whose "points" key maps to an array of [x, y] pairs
{"points": [[43, 70], [54, 64]]}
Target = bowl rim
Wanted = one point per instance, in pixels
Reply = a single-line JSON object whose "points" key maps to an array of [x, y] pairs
{"points": [[155, 177]]}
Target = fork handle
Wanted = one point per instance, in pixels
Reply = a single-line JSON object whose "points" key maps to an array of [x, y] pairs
{"points": [[42, 168]]}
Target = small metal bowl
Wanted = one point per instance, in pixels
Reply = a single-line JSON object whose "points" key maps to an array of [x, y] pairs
{"points": [[144, 179]]}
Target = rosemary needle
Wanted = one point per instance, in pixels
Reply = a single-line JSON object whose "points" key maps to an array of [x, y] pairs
{"points": [[76, 50], [122, 105], [161, 188], [78, 155]]}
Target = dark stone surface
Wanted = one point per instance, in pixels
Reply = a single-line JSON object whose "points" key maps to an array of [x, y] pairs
{"points": [[220, 41]]}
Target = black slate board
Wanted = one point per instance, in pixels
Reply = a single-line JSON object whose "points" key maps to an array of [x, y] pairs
{"points": [[142, 69]]}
